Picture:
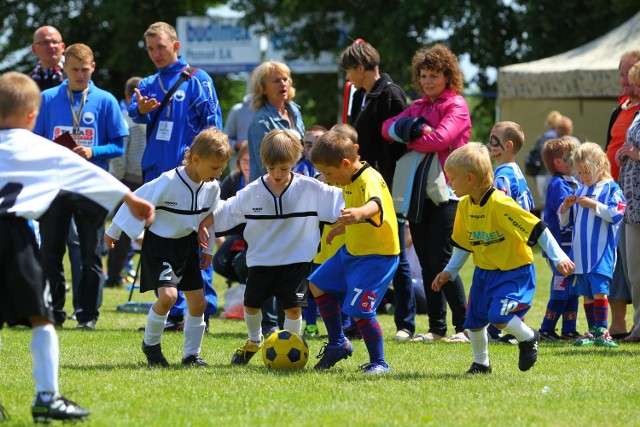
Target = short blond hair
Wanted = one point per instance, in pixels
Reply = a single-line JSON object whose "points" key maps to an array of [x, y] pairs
{"points": [[592, 158], [80, 51], [210, 142], [19, 95], [472, 158], [332, 147], [259, 79], [161, 27], [634, 74], [280, 147], [513, 132]]}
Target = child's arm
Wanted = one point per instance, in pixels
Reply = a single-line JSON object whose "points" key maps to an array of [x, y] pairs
{"points": [[205, 260], [564, 210], [335, 231], [203, 232], [355, 215], [555, 253], [451, 270], [140, 208]]}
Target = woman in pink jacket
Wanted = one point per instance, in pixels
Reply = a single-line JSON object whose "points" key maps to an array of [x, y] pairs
{"points": [[437, 75]]}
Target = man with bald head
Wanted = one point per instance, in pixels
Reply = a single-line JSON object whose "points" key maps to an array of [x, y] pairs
{"points": [[48, 47]]}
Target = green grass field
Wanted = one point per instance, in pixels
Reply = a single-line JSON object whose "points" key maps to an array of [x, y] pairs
{"points": [[105, 371]]}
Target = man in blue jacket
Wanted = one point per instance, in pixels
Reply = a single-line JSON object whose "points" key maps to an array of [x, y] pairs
{"points": [[193, 106]]}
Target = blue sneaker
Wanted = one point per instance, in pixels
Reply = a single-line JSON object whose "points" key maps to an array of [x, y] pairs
{"points": [[331, 354], [375, 368]]}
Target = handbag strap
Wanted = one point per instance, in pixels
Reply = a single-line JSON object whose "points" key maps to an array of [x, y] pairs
{"points": [[185, 75]]}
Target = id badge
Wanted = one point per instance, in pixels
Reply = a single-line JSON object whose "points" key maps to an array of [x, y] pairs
{"points": [[164, 130]]}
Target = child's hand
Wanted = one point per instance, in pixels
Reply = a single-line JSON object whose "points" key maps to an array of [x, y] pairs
{"points": [[205, 260], [109, 241], [350, 216], [568, 202], [566, 267], [140, 208], [587, 202], [336, 231], [442, 278], [203, 237]]}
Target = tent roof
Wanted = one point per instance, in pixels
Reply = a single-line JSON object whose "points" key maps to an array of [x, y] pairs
{"points": [[588, 71]]}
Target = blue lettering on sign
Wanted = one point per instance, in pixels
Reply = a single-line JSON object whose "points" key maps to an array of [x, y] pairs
{"points": [[216, 32]]}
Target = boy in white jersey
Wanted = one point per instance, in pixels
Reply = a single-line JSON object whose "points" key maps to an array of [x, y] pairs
{"points": [[33, 173], [282, 212], [500, 235], [595, 210]]}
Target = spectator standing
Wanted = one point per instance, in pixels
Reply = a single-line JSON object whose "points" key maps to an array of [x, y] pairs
{"points": [[237, 125], [171, 129]]}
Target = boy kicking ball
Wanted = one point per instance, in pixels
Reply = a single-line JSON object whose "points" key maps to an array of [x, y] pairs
{"points": [[500, 234]]}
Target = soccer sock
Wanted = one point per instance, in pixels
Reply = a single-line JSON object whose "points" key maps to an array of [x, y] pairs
{"points": [[294, 325], [551, 316], [155, 327], [372, 337], [589, 312], [254, 326], [601, 312], [519, 329], [570, 314], [45, 353], [331, 314], [193, 334], [310, 313], [479, 346]]}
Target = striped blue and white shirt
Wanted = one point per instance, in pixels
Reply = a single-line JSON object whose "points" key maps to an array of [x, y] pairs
{"points": [[509, 179]]}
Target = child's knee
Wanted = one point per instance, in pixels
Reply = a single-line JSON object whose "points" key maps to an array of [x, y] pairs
{"points": [[293, 312]]}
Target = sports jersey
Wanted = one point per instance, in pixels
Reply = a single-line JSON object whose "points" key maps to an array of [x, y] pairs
{"points": [[377, 235], [509, 179], [180, 203], [595, 231], [34, 171], [193, 107], [101, 125], [283, 229], [497, 231], [560, 186]]}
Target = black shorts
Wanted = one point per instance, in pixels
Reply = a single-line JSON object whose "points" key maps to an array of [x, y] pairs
{"points": [[24, 291], [170, 262], [288, 283]]}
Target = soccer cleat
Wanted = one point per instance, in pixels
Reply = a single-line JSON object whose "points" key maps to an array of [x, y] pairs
{"points": [[154, 355], [528, 352], [331, 354], [174, 323], [310, 331], [244, 354], [56, 407], [570, 336], [603, 338], [587, 339], [550, 336], [374, 368], [193, 360], [477, 368], [507, 339]]}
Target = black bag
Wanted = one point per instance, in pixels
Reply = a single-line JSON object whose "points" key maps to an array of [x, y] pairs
{"points": [[533, 163]]}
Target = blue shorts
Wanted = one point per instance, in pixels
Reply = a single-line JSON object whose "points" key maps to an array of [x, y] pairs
{"points": [[590, 284], [360, 280], [560, 285], [496, 296]]}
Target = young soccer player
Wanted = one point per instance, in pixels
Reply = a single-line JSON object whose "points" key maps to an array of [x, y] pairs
{"points": [[170, 260], [505, 141], [35, 173], [595, 211], [304, 166], [282, 212], [556, 154], [500, 234], [361, 271]]}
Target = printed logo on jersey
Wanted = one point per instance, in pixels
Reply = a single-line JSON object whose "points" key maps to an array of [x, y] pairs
{"points": [[515, 223], [169, 203], [368, 301], [179, 95], [88, 118], [482, 238], [83, 136]]}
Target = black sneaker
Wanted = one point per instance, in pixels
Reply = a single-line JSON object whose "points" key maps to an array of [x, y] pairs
{"points": [[174, 323], [154, 355], [56, 408], [528, 352], [571, 335], [507, 339], [87, 326], [194, 361], [550, 336], [331, 354], [477, 368]]}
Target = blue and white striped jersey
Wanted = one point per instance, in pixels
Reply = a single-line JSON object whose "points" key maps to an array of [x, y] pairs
{"points": [[509, 179]]}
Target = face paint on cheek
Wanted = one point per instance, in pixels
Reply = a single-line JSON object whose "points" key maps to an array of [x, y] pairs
{"points": [[495, 142]]}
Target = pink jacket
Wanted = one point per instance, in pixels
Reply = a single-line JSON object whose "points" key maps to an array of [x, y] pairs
{"points": [[449, 118]]}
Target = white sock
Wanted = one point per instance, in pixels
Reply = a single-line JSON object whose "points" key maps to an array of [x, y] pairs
{"points": [[254, 325], [294, 325], [154, 328], [45, 353], [193, 334], [479, 346], [518, 329]]}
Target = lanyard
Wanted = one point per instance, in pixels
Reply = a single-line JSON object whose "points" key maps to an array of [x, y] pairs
{"points": [[77, 114], [168, 114]]}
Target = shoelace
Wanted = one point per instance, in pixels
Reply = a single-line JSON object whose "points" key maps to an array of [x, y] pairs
{"points": [[322, 350]]}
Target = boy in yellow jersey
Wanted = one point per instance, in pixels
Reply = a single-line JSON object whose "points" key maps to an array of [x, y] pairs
{"points": [[361, 271], [500, 234]]}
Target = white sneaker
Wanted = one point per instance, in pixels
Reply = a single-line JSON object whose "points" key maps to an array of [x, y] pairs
{"points": [[402, 335]]}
